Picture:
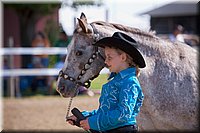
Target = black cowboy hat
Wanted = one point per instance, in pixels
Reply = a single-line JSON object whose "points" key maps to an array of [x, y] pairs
{"points": [[125, 43]]}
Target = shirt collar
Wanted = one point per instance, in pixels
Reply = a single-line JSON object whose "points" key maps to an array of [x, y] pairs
{"points": [[123, 73]]}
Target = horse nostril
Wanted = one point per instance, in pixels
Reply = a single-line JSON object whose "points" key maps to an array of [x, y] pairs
{"points": [[62, 88]]}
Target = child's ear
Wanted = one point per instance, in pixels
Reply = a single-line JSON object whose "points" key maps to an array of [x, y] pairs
{"points": [[124, 56]]}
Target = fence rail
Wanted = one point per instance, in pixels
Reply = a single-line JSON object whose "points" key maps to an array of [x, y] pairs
{"points": [[32, 51], [37, 72], [31, 72]]}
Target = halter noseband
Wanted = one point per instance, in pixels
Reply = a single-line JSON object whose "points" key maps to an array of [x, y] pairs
{"points": [[86, 66]]}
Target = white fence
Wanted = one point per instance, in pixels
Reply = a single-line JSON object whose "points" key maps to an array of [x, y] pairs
{"points": [[31, 51]]}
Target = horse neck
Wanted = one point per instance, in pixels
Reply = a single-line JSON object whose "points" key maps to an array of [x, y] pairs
{"points": [[147, 40]]}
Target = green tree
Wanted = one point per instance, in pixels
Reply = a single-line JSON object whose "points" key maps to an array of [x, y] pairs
{"points": [[29, 14]]}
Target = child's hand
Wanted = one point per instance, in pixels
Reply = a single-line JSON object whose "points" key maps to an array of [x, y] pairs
{"points": [[71, 120], [84, 124]]}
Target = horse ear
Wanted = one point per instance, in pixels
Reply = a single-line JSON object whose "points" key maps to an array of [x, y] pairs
{"points": [[83, 25], [83, 17]]}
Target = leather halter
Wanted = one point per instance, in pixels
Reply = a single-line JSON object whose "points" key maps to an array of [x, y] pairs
{"points": [[83, 71], [86, 66]]}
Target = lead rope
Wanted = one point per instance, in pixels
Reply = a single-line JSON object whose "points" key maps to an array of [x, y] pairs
{"points": [[70, 102], [69, 107]]}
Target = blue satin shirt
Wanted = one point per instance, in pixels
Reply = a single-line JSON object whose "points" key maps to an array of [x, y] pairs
{"points": [[120, 102]]}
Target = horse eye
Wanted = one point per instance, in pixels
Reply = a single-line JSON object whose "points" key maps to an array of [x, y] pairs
{"points": [[78, 53]]}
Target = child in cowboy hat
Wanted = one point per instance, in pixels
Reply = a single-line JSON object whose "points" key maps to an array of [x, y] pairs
{"points": [[122, 97]]}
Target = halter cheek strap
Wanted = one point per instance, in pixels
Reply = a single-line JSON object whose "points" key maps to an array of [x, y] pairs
{"points": [[83, 71]]}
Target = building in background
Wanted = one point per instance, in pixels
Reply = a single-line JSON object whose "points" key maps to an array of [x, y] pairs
{"points": [[165, 18]]}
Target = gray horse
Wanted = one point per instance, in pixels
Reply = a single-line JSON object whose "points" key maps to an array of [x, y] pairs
{"points": [[169, 81]]}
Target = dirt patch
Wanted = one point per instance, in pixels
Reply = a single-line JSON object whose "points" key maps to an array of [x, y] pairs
{"points": [[43, 113]]}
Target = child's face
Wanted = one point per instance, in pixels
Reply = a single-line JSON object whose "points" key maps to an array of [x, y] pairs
{"points": [[115, 61]]}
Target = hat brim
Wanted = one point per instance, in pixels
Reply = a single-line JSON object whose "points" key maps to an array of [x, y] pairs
{"points": [[124, 46]]}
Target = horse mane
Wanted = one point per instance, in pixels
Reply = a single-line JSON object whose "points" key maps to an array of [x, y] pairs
{"points": [[150, 34]]}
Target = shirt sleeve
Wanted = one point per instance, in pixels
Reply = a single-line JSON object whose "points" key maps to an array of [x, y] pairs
{"points": [[123, 113], [89, 113]]}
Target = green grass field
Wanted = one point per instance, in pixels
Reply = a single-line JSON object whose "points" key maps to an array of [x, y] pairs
{"points": [[99, 81]]}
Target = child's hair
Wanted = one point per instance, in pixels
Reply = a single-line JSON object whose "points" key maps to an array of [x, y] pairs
{"points": [[129, 60]]}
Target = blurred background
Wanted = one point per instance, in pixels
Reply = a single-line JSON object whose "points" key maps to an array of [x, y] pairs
{"points": [[35, 36]]}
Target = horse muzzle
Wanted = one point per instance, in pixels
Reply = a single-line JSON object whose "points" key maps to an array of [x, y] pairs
{"points": [[66, 88]]}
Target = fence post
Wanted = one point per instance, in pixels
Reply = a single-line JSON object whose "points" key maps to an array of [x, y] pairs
{"points": [[11, 79]]}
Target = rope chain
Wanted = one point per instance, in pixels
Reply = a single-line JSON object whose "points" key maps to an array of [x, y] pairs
{"points": [[70, 102], [69, 106]]}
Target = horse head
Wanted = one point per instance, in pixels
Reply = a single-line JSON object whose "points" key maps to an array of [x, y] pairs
{"points": [[83, 62]]}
